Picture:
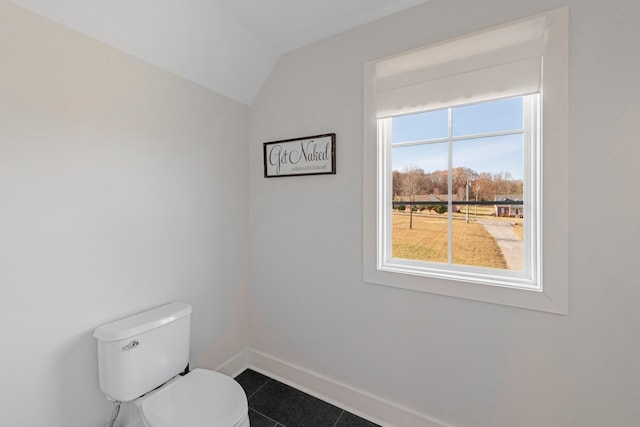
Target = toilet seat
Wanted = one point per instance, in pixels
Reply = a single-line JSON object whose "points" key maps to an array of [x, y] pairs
{"points": [[202, 398]]}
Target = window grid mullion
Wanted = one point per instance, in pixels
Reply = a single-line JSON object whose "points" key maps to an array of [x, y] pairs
{"points": [[458, 138], [449, 188]]}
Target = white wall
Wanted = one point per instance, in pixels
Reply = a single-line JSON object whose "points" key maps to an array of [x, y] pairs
{"points": [[122, 187], [464, 362]]}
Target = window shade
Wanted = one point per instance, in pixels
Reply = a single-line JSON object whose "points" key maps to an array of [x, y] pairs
{"points": [[497, 63]]}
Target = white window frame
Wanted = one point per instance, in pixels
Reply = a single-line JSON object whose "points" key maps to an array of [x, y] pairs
{"points": [[546, 288], [526, 279]]}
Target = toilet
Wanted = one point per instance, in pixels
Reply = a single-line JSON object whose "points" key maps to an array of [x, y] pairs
{"points": [[144, 359]]}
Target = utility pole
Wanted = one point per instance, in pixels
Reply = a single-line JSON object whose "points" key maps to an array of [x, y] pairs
{"points": [[476, 209], [467, 192]]}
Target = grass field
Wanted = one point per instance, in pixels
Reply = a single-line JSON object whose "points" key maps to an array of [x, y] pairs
{"points": [[427, 241]]}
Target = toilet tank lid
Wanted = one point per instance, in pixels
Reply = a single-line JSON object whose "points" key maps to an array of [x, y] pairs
{"points": [[142, 322]]}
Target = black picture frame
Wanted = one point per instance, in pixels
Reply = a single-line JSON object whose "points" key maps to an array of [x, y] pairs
{"points": [[309, 155]]}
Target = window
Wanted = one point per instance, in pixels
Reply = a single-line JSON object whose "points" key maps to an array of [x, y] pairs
{"points": [[457, 192], [455, 170]]}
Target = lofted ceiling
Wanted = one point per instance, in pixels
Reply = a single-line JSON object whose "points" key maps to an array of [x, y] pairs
{"points": [[229, 46]]}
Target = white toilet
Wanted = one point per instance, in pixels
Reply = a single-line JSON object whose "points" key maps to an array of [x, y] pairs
{"points": [[141, 359]]}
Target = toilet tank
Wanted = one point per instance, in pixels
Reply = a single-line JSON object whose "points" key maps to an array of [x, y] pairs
{"points": [[141, 352]]}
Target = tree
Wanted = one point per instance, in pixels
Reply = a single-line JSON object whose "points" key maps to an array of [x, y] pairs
{"points": [[439, 182], [484, 186], [467, 184], [398, 177], [411, 186]]}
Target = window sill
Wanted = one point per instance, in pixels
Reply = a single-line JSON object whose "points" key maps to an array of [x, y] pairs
{"points": [[491, 292]]}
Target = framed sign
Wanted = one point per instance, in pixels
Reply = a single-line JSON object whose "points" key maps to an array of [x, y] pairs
{"points": [[311, 155]]}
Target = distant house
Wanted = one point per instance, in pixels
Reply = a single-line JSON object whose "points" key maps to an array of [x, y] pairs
{"points": [[421, 202], [508, 208]]}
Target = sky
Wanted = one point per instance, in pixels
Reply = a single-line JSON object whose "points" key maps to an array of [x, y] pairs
{"points": [[489, 154]]}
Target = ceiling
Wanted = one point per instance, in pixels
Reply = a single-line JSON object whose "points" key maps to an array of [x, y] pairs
{"points": [[229, 46]]}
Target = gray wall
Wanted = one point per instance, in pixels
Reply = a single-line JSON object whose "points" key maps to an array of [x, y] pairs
{"points": [[122, 187], [465, 362]]}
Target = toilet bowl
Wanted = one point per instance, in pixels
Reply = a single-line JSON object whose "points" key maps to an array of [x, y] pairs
{"points": [[142, 359], [202, 398]]}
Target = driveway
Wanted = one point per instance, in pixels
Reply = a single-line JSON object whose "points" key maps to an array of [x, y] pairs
{"points": [[510, 244]]}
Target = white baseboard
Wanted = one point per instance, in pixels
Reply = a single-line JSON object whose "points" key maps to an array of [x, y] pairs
{"points": [[358, 402], [235, 365]]}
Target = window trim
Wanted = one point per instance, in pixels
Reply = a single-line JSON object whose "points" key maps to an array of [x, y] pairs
{"points": [[553, 221]]}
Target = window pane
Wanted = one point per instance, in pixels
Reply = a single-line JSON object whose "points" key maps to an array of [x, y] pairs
{"points": [[488, 170], [493, 116], [428, 157], [420, 175], [498, 154], [422, 126]]}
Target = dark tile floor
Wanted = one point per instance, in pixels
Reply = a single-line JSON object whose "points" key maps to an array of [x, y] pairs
{"points": [[274, 404]]}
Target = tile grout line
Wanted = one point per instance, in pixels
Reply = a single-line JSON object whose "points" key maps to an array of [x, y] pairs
{"points": [[269, 418], [258, 412], [257, 390], [341, 414]]}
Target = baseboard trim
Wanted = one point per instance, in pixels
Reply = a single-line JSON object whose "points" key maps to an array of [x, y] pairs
{"points": [[358, 402], [235, 364]]}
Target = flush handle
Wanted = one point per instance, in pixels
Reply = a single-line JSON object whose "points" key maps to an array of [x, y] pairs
{"points": [[133, 344]]}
